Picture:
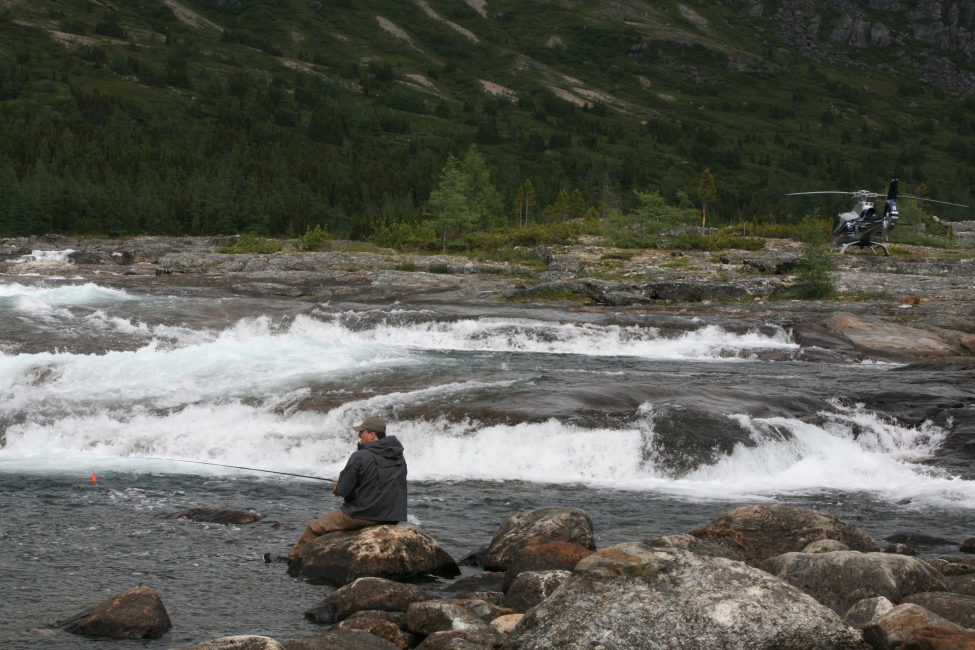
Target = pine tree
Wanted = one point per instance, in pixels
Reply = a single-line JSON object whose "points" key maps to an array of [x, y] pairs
{"points": [[577, 205], [450, 210], [484, 202]]}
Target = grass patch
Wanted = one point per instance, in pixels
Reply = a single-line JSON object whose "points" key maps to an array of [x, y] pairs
{"points": [[617, 255], [357, 247], [679, 263], [409, 266], [439, 267], [251, 243], [861, 296]]}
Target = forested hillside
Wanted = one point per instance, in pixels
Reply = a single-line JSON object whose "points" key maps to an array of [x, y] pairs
{"points": [[272, 116]]}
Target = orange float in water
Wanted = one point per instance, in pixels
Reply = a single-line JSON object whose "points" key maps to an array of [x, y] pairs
{"points": [[94, 479]]}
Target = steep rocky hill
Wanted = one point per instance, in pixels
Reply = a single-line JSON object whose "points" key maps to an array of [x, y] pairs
{"points": [[209, 116]]}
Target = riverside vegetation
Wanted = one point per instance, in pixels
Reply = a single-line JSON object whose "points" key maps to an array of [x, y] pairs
{"points": [[273, 118]]}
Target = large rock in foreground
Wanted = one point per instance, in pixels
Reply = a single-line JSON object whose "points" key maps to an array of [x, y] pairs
{"points": [[134, 614], [638, 596], [532, 587], [537, 527], [939, 638], [554, 556], [366, 594], [392, 552], [891, 630], [957, 608], [766, 531], [841, 578]]}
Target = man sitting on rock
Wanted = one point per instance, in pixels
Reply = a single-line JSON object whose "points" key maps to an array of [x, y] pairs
{"points": [[373, 485]]}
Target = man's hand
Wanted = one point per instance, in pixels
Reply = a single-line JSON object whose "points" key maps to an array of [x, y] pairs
{"points": [[335, 491]]}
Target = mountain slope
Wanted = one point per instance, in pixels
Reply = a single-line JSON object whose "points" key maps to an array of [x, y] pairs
{"points": [[216, 116]]}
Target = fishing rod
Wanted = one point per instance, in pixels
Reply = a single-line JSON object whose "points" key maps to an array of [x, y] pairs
{"points": [[200, 462]]}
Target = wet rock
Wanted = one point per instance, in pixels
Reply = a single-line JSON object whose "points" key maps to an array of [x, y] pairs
{"points": [[532, 587], [537, 527], [825, 546], [391, 552], [890, 630], [340, 640], [42, 267], [505, 625], [134, 614], [708, 544], [901, 549], [377, 627], [957, 608], [939, 638], [554, 556], [482, 637], [397, 618], [217, 516], [487, 581], [968, 546], [243, 642], [474, 558], [768, 531], [919, 539], [495, 597], [863, 612], [436, 616], [366, 594], [962, 585], [638, 596]]}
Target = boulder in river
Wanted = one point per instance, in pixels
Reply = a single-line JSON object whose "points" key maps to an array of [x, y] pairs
{"points": [[952, 566], [901, 549], [532, 587], [968, 546], [392, 552], [957, 608], [134, 614], [767, 531], [919, 539], [891, 630], [242, 642], [340, 640], [554, 556], [396, 618], [487, 581], [939, 638], [440, 615], [217, 516], [637, 596], [536, 527], [841, 578], [365, 594], [863, 612]]}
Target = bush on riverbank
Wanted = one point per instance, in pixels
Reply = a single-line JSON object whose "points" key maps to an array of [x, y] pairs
{"points": [[251, 243], [814, 278]]}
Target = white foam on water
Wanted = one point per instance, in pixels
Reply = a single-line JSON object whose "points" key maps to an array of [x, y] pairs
{"points": [[57, 256], [74, 295]]}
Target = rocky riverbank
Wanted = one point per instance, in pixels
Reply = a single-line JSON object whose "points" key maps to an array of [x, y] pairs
{"points": [[918, 305], [765, 577]]}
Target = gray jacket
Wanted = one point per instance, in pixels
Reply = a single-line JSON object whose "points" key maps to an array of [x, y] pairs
{"points": [[373, 482]]}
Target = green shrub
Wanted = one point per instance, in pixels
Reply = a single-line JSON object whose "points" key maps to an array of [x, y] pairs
{"points": [[315, 240], [407, 266], [617, 255], [438, 267], [814, 278], [696, 242], [251, 243]]}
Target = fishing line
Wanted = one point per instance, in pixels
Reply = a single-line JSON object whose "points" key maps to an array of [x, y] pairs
{"points": [[200, 462]]}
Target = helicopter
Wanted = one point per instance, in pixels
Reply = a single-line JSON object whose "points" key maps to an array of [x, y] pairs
{"points": [[861, 226]]}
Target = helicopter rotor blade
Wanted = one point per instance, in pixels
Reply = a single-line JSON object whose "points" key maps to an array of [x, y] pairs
{"points": [[918, 198], [802, 193]]}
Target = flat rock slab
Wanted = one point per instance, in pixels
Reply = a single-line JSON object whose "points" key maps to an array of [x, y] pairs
{"points": [[393, 552], [134, 614], [217, 516], [638, 596], [888, 339], [762, 532], [537, 527], [841, 578]]}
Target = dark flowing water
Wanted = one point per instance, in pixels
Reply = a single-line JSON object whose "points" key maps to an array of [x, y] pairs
{"points": [[652, 424]]}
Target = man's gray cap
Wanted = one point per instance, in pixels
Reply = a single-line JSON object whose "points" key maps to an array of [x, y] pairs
{"points": [[372, 423]]}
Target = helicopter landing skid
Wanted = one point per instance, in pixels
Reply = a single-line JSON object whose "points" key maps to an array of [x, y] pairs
{"points": [[872, 245]]}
